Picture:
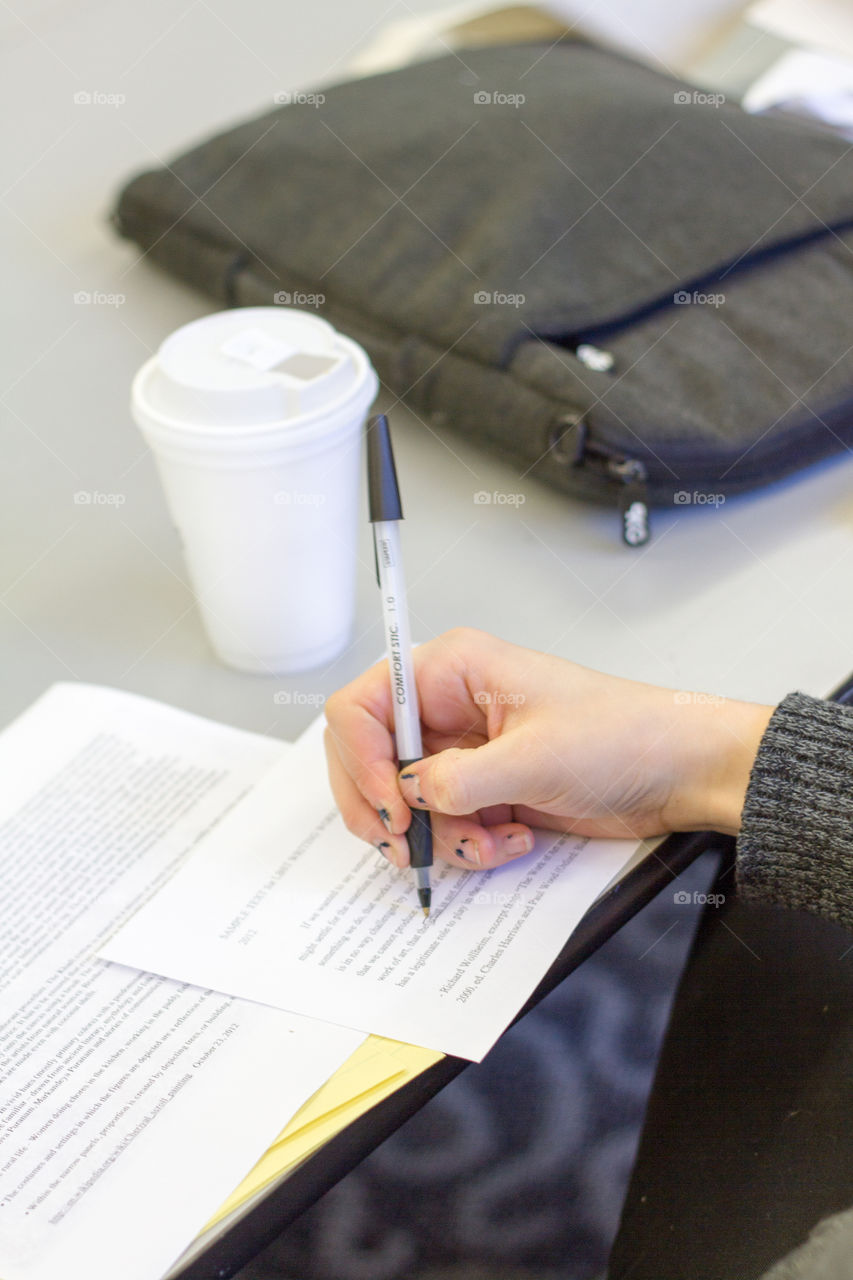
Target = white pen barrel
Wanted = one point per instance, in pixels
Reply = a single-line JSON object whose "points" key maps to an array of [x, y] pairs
{"points": [[395, 614]]}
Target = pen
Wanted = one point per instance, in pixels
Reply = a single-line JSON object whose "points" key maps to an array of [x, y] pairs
{"points": [[386, 513]]}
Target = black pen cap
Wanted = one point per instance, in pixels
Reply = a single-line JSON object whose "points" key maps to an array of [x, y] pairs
{"points": [[383, 493]]}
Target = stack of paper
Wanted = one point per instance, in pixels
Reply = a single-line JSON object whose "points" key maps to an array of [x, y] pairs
{"points": [[194, 946], [126, 1097]]}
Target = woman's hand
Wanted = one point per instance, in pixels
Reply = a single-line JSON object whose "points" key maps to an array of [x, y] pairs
{"points": [[514, 738]]}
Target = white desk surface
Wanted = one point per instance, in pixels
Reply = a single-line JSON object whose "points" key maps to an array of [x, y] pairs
{"points": [[749, 600]]}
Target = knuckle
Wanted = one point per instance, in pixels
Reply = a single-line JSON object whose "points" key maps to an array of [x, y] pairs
{"points": [[466, 637]]}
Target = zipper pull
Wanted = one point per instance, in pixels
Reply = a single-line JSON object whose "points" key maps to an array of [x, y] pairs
{"points": [[594, 358], [633, 502], [568, 443]]}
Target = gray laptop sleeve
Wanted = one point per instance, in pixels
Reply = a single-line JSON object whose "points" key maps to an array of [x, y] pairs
{"points": [[625, 286]]}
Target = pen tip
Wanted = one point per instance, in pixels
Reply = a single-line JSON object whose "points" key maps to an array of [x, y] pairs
{"points": [[426, 912]]}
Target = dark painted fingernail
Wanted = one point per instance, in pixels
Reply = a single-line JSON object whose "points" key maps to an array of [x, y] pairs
{"points": [[386, 817], [387, 852], [421, 800], [472, 855], [408, 775]]}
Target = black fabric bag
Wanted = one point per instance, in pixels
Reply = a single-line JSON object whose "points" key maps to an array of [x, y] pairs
{"points": [[626, 287]]}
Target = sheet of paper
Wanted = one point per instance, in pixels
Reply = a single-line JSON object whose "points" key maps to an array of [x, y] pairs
{"points": [[131, 1105], [282, 905]]}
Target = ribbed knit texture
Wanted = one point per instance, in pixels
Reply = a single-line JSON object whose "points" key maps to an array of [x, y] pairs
{"points": [[796, 841]]}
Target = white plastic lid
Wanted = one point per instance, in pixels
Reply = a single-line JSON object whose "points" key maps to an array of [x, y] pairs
{"points": [[252, 366]]}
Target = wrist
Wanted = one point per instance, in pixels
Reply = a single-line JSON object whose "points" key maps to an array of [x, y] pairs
{"points": [[717, 748]]}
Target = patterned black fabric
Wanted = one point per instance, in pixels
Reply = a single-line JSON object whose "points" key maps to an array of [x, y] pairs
{"points": [[518, 1169]]}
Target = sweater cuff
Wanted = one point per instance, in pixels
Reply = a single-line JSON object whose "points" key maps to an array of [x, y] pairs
{"points": [[796, 840]]}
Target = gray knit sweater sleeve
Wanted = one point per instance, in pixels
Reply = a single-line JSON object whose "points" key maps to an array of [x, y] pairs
{"points": [[796, 841], [796, 848]]}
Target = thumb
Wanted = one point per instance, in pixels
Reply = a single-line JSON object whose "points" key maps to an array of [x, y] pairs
{"points": [[462, 780]]}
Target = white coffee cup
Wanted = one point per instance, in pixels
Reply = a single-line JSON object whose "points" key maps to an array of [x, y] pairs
{"points": [[255, 419]]}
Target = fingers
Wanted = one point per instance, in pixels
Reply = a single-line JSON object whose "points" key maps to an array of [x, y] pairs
{"points": [[364, 820], [359, 728], [472, 821], [460, 781], [466, 841]]}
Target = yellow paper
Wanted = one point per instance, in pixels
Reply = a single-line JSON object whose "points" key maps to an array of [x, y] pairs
{"points": [[376, 1069]]}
